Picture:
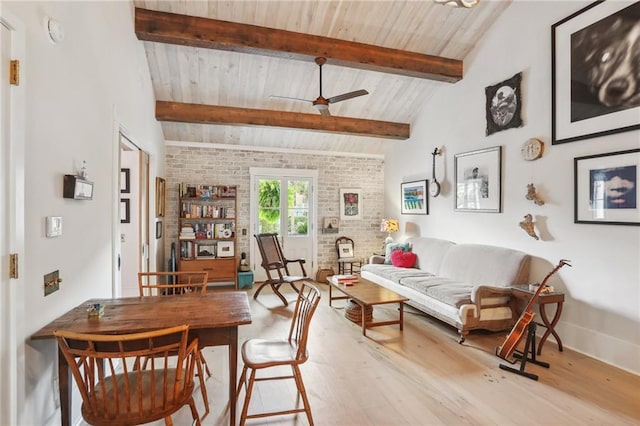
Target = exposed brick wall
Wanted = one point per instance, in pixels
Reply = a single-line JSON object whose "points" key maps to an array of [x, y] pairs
{"points": [[231, 167]]}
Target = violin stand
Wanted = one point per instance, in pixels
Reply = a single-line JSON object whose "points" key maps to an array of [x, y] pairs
{"points": [[529, 348]]}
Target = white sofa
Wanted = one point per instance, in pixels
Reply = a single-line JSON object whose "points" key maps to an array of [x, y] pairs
{"points": [[464, 285]]}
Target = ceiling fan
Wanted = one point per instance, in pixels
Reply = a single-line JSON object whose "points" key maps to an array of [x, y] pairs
{"points": [[321, 103]]}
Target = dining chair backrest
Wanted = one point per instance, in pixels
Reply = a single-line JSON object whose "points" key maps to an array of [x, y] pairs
{"points": [[115, 390], [306, 304], [172, 283]]}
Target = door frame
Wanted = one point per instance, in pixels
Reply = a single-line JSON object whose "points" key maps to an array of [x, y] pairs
{"points": [[12, 369], [123, 139], [279, 173]]}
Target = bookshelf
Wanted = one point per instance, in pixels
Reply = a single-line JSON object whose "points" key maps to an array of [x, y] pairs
{"points": [[207, 231]]}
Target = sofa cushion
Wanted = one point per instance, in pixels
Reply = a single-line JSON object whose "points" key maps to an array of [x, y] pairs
{"points": [[403, 259], [448, 291], [394, 246], [393, 273]]}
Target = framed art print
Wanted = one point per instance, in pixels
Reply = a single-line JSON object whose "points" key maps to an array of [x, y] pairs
{"points": [[125, 181], [478, 180], [504, 105], [594, 85], [350, 204], [414, 197], [160, 196], [125, 210], [606, 188]]}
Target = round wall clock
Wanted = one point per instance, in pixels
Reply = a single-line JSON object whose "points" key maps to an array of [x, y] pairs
{"points": [[532, 149]]}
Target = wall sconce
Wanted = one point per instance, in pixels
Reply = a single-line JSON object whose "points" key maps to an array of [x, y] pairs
{"points": [[458, 3]]}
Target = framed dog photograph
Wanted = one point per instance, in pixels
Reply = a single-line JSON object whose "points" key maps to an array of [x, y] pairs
{"points": [[504, 105], [595, 84], [606, 188]]}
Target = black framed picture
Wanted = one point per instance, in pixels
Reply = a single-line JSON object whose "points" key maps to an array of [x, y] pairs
{"points": [[606, 188], [125, 210], [595, 86], [504, 105], [125, 181]]}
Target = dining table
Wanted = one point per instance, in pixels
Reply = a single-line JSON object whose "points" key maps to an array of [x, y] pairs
{"points": [[213, 318]]}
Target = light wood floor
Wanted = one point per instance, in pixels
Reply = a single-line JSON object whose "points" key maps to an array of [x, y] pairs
{"points": [[422, 376]]}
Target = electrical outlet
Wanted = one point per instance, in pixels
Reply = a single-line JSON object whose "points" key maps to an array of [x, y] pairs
{"points": [[56, 393]]}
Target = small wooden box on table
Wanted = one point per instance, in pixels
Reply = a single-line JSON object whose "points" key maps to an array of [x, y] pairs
{"points": [[367, 294]]}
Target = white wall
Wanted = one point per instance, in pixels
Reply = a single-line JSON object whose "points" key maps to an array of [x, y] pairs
{"points": [[602, 309], [78, 92]]}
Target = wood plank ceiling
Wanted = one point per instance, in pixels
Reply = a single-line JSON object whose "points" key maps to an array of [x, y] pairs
{"points": [[221, 78]]}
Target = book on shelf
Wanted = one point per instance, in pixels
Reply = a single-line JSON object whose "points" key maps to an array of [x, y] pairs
{"points": [[206, 192]]}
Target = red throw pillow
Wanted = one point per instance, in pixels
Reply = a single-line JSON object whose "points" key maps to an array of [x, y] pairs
{"points": [[403, 259]]}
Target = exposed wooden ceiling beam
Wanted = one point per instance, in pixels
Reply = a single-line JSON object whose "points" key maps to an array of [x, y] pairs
{"points": [[212, 114], [194, 31]]}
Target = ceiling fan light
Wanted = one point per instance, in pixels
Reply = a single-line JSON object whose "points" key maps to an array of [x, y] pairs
{"points": [[458, 3]]}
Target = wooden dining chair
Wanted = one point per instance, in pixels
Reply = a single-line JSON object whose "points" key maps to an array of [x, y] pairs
{"points": [[275, 264], [177, 284], [115, 391], [347, 261], [259, 354]]}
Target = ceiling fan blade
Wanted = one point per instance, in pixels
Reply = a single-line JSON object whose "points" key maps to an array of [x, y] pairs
{"points": [[325, 112], [346, 96], [289, 99]]}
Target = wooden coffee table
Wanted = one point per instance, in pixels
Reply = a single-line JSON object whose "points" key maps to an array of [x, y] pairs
{"points": [[368, 294]]}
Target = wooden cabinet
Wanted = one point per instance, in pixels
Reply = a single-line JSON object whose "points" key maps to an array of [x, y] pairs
{"points": [[207, 231]]}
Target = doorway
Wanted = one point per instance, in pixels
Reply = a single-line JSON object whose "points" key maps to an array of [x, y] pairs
{"points": [[283, 201], [12, 235], [134, 215]]}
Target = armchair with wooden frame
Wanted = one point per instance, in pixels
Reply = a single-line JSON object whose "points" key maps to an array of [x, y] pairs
{"points": [[116, 391], [177, 284], [275, 265]]}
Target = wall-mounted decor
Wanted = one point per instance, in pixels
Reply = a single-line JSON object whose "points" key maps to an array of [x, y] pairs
{"points": [[330, 225], [504, 105], [158, 229], [528, 226], [125, 181], [478, 177], [606, 188], [594, 84], [350, 204], [532, 195], [414, 197], [77, 188], [160, 196], [125, 211]]}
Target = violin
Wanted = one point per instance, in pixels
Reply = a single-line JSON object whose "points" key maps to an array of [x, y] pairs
{"points": [[518, 331]]}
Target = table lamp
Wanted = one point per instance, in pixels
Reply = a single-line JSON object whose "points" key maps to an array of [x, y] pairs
{"points": [[389, 226]]}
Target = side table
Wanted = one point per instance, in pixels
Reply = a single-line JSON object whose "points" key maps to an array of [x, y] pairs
{"points": [[522, 292]]}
